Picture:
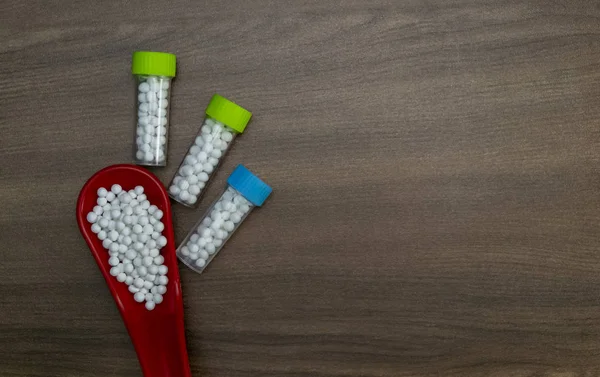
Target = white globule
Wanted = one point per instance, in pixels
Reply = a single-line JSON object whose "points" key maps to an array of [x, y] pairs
{"points": [[153, 119], [201, 160], [133, 255], [211, 233]]}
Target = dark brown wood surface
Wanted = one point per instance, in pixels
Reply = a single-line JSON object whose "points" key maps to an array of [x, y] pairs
{"points": [[435, 167]]}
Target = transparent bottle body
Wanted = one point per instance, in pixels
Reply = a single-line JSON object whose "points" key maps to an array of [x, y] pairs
{"points": [[213, 230], [152, 126], [201, 161]]}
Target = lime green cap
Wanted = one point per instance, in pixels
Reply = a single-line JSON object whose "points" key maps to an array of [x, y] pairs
{"points": [[153, 63], [228, 113]]}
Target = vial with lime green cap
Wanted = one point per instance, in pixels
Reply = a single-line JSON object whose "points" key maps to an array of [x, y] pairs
{"points": [[153, 72], [224, 121], [244, 192]]}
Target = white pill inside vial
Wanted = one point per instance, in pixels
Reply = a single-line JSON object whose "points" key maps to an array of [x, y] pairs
{"points": [[190, 160], [228, 225], [194, 190], [235, 218], [200, 262], [174, 190], [203, 177], [202, 157], [208, 147], [184, 184], [210, 248], [161, 289], [184, 195], [144, 87], [194, 150], [154, 84], [226, 136]]}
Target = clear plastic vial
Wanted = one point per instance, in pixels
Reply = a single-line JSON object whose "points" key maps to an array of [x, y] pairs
{"points": [[224, 121], [153, 72], [244, 192]]}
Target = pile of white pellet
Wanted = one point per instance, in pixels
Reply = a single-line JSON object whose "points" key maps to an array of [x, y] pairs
{"points": [[212, 231], [201, 160], [130, 229], [153, 105]]}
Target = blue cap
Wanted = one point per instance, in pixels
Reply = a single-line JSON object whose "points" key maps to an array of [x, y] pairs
{"points": [[249, 185]]}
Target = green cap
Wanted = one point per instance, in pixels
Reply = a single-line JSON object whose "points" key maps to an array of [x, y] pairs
{"points": [[228, 113], [153, 63]]}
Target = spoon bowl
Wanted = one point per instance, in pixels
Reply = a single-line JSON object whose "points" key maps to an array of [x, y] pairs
{"points": [[158, 335]]}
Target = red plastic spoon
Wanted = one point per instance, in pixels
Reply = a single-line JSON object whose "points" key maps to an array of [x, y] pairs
{"points": [[158, 335]]}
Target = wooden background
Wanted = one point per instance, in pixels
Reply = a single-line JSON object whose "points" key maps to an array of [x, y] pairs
{"points": [[435, 166]]}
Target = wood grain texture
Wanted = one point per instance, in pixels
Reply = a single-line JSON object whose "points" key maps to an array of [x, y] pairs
{"points": [[435, 166]]}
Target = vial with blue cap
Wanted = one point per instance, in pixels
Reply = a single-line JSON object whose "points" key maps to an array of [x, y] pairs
{"points": [[244, 192]]}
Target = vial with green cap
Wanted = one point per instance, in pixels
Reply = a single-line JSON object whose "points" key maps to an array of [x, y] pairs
{"points": [[244, 192], [153, 72], [224, 120]]}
